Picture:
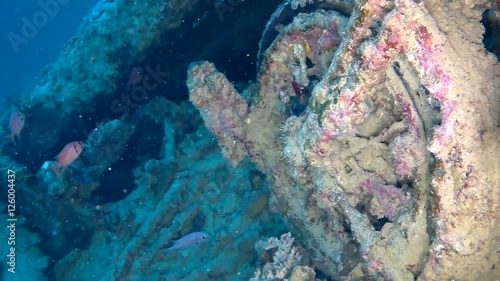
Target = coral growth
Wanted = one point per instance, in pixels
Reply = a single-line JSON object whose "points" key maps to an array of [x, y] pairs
{"points": [[369, 132], [381, 103], [285, 261]]}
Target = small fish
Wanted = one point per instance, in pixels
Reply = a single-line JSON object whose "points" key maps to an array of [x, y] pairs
{"points": [[67, 155], [135, 76], [190, 240], [16, 124]]}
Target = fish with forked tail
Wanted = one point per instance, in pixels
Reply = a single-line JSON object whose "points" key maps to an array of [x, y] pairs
{"points": [[16, 124], [67, 155], [192, 239]]}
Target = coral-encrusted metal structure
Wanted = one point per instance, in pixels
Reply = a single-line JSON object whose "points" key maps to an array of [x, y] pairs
{"points": [[374, 130]]}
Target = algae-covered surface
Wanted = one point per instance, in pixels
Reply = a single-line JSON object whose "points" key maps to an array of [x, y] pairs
{"points": [[260, 140]]}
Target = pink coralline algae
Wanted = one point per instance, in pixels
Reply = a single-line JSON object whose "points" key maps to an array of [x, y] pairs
{"points": [[406, 157], [390, 199]]}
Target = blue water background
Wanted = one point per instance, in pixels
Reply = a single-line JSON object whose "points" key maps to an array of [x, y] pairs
{"points": [[20, 70]]}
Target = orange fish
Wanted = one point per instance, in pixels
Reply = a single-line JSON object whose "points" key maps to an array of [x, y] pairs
{"points": [[135, 76], [67, 155], [16, 124]]}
